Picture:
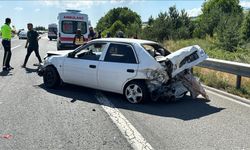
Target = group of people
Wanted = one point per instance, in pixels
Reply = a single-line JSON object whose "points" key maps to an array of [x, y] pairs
{"points": [[31, 44], [79, 38]]}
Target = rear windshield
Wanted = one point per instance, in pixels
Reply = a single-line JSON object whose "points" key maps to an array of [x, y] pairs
{"points": [[52, 29], [70, 27]]}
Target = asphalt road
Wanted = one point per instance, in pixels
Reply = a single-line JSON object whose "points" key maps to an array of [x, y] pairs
{"points": [[74, 118]]}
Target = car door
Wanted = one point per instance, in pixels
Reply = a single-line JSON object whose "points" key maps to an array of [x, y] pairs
{"points": [[119, 65], [82, 68]]}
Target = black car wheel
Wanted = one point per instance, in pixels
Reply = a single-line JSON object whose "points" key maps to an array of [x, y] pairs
{"points": [[51, 77]]}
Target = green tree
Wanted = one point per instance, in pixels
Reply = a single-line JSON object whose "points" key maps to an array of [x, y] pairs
{"points": [[228, 32], [40, 28], [212, 11], [117, 26], [124, 15], [245, 28], [150, 20], [169, 25]]}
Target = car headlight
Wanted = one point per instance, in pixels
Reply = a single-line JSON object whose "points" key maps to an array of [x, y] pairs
{"points": [[202, 52]]}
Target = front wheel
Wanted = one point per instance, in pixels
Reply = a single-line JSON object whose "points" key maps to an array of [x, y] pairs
{"points": [[51, 77], [136, 92]]}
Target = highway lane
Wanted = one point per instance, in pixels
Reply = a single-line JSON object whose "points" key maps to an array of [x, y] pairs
{"points": [[37, 119], [71, 117]]}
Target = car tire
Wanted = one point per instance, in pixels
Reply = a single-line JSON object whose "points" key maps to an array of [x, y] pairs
{"points": [[136, 92], [50, 39], [51, 77]]}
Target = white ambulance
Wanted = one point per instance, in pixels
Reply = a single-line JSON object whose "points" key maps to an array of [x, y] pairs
{"points": [[69, 22], [52, 31]]}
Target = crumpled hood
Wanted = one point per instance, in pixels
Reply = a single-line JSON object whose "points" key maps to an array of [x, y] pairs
{"points": [[185, 58]]}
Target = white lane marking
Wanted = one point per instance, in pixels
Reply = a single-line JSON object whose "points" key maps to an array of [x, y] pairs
{"points": [[134, 138], [15, 47], [232, 100]]}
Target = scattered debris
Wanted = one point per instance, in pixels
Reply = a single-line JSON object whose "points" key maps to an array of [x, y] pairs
{"points": [[175, 79], [6, 136]]}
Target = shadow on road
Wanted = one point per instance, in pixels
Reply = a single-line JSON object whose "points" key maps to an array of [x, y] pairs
{"points": [[5, 73], [185, 109], [30, 70]]}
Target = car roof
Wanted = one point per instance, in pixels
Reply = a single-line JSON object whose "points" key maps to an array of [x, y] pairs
{"points": [[125, 40]]}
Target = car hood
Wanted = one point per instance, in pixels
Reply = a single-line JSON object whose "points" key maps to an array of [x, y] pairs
{"points": [[65, 52], [184, 58]]}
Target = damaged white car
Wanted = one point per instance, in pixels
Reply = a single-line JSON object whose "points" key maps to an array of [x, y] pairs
{"points": [[139, 69]]}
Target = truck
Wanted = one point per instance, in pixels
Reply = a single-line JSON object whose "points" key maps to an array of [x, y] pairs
{"points": [[68, 22], [52, 31]]}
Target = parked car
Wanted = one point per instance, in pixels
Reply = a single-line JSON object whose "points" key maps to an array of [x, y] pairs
{"points": [[22, 34], [139, 69]]}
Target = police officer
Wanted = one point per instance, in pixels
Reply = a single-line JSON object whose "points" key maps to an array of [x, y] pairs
{"points": [[32, 44], [6, 41]]}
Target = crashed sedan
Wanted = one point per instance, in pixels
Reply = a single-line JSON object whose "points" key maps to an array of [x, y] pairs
{"points": [[138, 69]]}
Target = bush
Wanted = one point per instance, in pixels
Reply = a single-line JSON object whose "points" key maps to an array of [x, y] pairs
{"points": [[228, 35], [245, 28]]}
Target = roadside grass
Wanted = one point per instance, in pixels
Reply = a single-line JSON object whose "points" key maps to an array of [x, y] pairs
{"points": [[223, 81], [216, 79]]}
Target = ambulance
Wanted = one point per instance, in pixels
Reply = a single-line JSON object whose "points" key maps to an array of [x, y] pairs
{"points": [[68, 23], [52, 31]]}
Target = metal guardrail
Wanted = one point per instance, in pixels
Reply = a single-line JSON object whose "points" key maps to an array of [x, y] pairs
{"points": [[239, 69]]}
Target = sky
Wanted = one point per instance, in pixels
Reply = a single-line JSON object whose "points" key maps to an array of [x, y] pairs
{"points": [[44, 12]]}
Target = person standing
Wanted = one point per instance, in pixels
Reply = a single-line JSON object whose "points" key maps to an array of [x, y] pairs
{"points": [[32, 44], [6, 42], [99, 35], [108, 35], [78, 39], [92, 34]]}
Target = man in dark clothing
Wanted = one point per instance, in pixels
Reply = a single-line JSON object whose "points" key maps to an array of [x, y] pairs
{"points": [[32, 44], [99, 35], [92, 34], [108, 35]]}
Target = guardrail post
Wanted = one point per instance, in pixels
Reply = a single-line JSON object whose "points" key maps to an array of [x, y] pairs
{"points": [[238, 82]]}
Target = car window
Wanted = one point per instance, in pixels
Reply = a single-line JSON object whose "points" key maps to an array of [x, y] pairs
{"points": [[91, 52], [155, 50], [120, 53], [70, 27]]}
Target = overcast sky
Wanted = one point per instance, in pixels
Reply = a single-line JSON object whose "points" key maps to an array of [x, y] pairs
{"points": [[44, 12]]}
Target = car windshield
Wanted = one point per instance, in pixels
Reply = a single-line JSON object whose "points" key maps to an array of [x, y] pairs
{"points": [[90, 51], [155, 50]]}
